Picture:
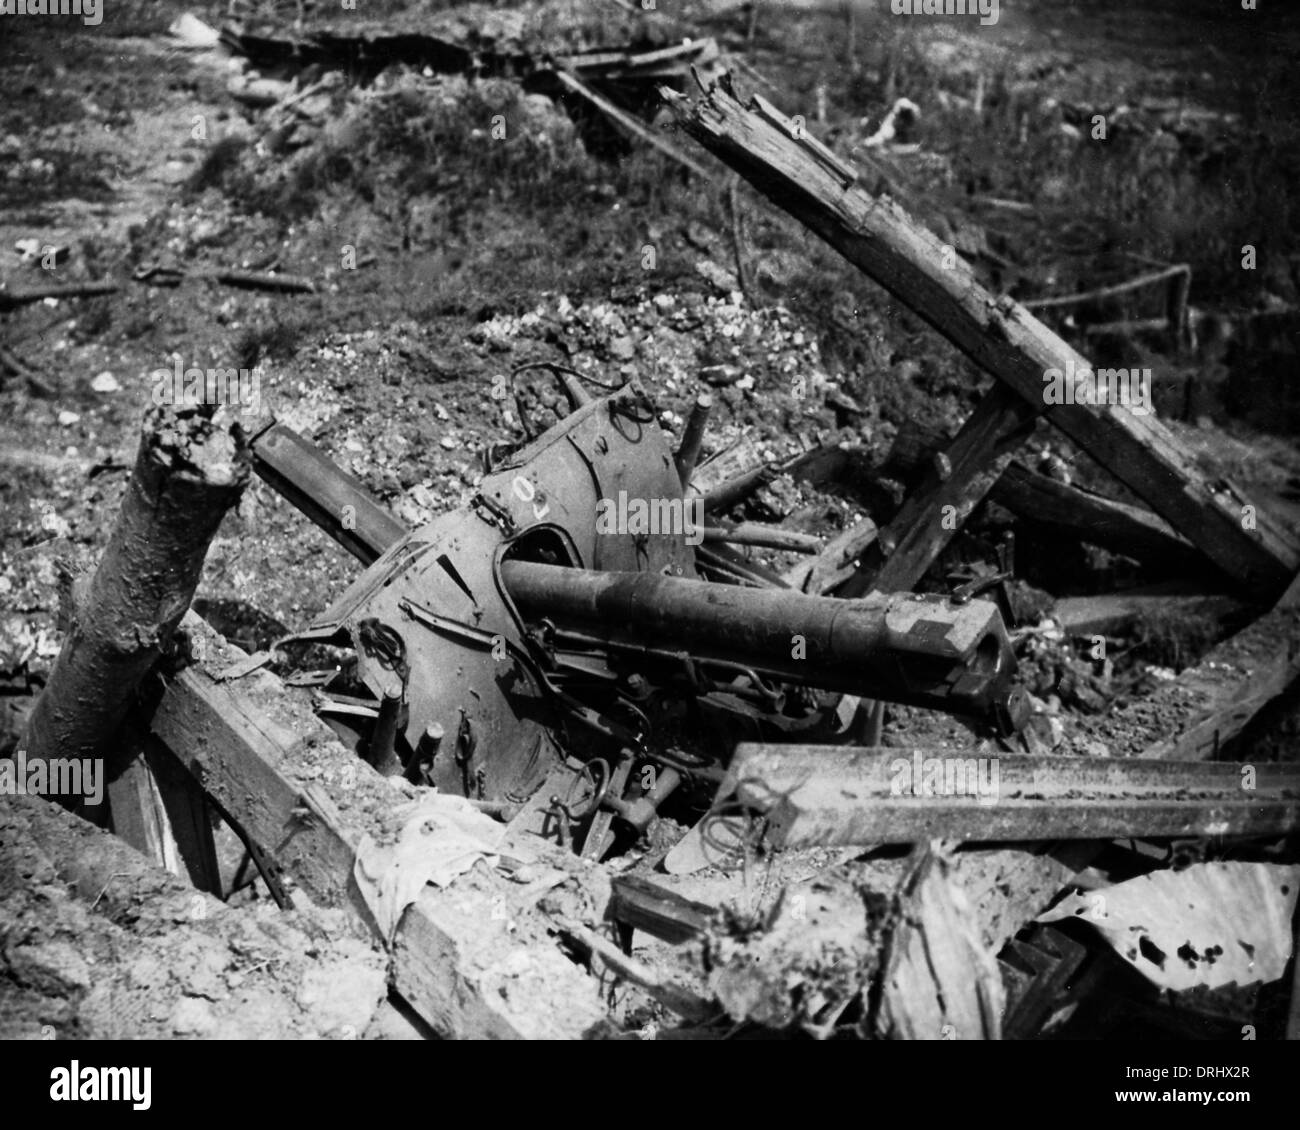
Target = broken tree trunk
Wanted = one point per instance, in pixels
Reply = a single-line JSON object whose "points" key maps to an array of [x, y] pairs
{"points": [[188, 474], [915, 266]]}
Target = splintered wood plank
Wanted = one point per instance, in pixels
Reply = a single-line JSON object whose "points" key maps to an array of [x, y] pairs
{"points": [[190, 816], [963, 475], [836, 563], [914, 265], [647, 906], [138, 814], [469, 970], [235, 753]]}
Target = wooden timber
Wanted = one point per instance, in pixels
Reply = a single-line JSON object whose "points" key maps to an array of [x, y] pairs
{"points": [[878, 236]]}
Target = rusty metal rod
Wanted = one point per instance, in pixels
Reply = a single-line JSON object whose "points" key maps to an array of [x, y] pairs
{"points": [[688, 454], [325, 493], [766, 537], [831, 795]]}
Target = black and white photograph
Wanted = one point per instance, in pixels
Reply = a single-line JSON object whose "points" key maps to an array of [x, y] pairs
{"points": [[649, 521]]}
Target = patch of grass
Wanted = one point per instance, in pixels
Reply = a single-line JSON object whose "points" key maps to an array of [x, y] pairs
{"points": [[276, 339], [1174, 640]]}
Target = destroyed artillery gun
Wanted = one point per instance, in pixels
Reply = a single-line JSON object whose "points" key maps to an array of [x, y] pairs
{"points": [[572, 679]]}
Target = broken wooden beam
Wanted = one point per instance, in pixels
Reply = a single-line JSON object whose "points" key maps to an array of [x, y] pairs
{"points": [[235, 751], [1073, 512], [188, 473], [261, 280], [1178, 270], [643, 905], [829, 795], [1060, 508], [939, 981], [958, 482], [836, 563], [628, 122], [915, 266], [470, 963], [12, 363]]}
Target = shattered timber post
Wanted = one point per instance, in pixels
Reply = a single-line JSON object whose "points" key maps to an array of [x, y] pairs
{"points": [[188, 473], [878, 237]]}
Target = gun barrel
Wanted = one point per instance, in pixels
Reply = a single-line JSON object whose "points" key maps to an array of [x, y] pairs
{"points": [[905, 648]]}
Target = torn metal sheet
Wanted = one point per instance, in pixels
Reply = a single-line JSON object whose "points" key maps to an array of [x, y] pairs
{"points": [[1211, 925]]}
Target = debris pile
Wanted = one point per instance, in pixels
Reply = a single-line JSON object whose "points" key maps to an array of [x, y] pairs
{"points": [[674, 690]]}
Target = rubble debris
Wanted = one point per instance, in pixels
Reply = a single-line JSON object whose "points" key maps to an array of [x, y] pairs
{"points": [[441, 837], [809, 962], [187, 30], [1209, 925], [1196, 715], [103, 945]]}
